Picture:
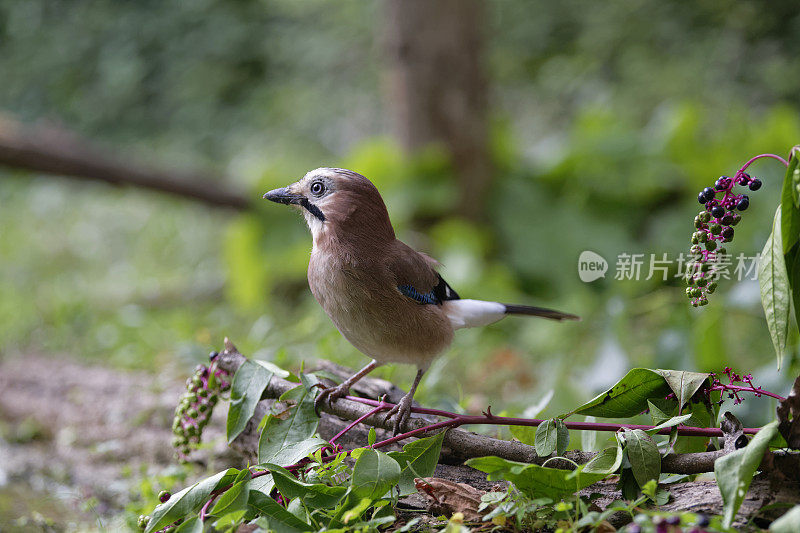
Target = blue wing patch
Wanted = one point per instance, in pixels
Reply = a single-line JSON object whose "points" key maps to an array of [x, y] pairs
{"points": [[414, 294], [441, 292]]}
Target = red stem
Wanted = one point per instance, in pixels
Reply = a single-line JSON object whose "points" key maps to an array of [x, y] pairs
{"points": [[457, 420], [381, 406], [761, 156]]}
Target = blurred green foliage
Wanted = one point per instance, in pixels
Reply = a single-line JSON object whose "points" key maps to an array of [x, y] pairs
{"points": [[607, 119]]}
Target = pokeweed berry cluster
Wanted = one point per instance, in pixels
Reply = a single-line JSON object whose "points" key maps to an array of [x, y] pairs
{"points": [[196, 405], [713, 228]]}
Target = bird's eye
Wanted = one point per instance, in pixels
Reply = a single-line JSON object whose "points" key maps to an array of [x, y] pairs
{"points": [[317, 188]]}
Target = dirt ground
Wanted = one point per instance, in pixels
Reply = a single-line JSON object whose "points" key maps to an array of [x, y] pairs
{"points": [[77, 441]]}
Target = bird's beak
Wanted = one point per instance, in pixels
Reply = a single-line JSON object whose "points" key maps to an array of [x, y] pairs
{"points": [[283, 196]]}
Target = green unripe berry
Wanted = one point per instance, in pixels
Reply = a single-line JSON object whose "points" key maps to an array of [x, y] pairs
{"points": [[703, 301], [711, 246], [702, 237], [736, 218], [702, 282], [711, 287], [705, 267], [705, 216], [697, 292], [722, 251], [715, 229], [203, 407], [143, 521]]}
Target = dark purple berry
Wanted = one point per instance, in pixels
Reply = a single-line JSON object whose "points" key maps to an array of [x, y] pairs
{"points": [[703, 520], [755, 184], [727, 233], [727, 220], [722, 183], [701, 198], [743, 204], [718, 211]]}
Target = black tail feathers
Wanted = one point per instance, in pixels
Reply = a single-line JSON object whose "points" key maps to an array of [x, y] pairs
{"points": [[539, 311]]}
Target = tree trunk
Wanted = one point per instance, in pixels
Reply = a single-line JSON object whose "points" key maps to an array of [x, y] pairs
{"points": [[437, 87]]}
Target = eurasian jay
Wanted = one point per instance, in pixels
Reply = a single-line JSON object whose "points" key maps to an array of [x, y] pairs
{"points": [[387, 299]]}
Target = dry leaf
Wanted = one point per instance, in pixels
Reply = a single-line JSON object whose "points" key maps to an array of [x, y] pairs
{"points": [[448, 497]]}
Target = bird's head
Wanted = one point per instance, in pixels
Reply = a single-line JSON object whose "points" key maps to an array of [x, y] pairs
{"points": [[337, 201]]}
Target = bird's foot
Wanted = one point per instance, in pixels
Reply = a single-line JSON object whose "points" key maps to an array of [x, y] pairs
{"points": [[401, 413], [330, 394]]}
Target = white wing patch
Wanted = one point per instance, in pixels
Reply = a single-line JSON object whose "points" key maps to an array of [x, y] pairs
{"points": [[473, 313]]}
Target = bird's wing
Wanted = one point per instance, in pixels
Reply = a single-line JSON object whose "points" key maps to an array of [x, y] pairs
{"points": [[416, 277]]}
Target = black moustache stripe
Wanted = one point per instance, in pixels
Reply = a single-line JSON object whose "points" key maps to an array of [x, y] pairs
{"points": [[314, 210]]}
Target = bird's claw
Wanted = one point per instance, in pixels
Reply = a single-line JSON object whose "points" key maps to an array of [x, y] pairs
{"points": [[401, 412], [328, 395]]}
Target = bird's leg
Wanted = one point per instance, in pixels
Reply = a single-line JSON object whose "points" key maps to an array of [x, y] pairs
{"points": [[343, 389], [402, 410]]}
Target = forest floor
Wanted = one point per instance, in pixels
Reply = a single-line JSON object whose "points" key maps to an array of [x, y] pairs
{"points": [[80, 445]]}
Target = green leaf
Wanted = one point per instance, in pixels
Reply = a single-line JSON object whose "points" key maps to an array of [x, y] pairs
{"points": [[372, 436], [189, 500], [315, 495], [702, 417], [355, 511], [546, 438], [232, 499], [374, 474], [793, 270], [275, 517], [192, 525], [628, 397], [735, 471], [674, 421], [562, 437], [534, 480], [790, 213], [263, 483], [683, 384], [249, 382], [272, 367], [607, 461], [283, 439], [660, 409], [643, 455], [774, 282], [788, 523], [418, 459]]}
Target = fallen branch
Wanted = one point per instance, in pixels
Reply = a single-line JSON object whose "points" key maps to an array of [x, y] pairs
{"points": [[50, 150], [461, 444]]}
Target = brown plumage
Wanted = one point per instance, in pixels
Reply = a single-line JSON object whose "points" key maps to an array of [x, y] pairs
{"points": [[387, 299]]}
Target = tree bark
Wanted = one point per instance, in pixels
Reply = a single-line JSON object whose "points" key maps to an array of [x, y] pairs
{"points": [[437, 88]]}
